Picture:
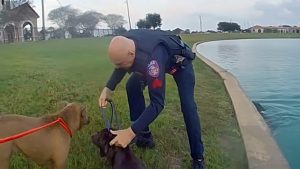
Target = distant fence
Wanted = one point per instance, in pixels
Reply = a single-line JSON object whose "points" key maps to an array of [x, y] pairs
{"points": [[11, 34]]}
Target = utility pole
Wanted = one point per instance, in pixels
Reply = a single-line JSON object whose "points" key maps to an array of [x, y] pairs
{"points": [[200, 22], [43, 18], [128, 14]]}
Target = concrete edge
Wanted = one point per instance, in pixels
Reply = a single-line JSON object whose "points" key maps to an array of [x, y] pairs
{"points": [[261, 149]]}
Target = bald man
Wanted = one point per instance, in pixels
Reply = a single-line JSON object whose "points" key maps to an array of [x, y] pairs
{"points": [[148, 55]]}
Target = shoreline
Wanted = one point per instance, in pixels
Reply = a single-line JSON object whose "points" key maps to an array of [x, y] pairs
{"points": [[261, 148]]}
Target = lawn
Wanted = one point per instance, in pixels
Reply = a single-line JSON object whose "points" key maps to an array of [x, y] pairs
{"points": [[35, 77]]}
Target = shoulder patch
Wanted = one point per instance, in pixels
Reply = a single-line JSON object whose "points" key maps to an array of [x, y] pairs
{"points": [[153, 69], [156, 83]]}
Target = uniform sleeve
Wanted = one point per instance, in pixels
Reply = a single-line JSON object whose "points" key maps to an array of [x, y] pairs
{"points": [[115, 78], [156, 87]]}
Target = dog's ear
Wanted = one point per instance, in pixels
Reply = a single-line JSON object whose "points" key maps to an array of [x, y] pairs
{"points": [[50, 118], [62, 104], [84, 118], [104, 150], [55, 116], [83, 113], [104, 142], [82, 108]]}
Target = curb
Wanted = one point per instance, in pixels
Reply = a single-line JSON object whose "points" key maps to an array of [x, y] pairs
{"points": [[261, 149]]}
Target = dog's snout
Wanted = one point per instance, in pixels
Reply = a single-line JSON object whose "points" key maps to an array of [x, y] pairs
{"points": [[94, 137]]}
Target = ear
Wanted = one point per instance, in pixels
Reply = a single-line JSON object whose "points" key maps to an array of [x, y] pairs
{"points": [[84, 118], [106, 147], [131, 53], [102, 153], [50, 118], [67, 113], [104, 150], [82, 111], [62, 104]]}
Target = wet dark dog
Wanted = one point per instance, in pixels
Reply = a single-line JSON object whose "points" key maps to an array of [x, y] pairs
{"points": [[120, 158]]}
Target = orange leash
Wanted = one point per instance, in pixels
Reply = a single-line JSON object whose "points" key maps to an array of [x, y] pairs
{"points": [[25, 133]]}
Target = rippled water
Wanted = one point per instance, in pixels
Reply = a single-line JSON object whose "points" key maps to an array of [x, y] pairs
{"points": [[268, 70]]}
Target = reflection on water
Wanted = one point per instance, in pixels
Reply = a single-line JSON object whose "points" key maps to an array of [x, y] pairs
{"points": [[268, 72], [223, 51]]}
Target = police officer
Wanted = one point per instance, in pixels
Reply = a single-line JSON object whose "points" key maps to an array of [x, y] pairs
{"points": [[148, 55]]}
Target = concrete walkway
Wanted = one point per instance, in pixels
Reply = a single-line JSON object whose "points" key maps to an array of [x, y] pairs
{"points": [[262, 151]]}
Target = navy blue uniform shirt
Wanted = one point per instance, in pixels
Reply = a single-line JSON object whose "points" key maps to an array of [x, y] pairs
{"points": [[153, 68]]}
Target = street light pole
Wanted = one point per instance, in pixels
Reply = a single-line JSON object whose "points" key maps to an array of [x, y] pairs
{"points": [[43, 18], [200, 22], [128, 14]]}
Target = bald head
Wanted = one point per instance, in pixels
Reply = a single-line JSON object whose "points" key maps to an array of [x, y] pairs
{"points": [[121, 51]]}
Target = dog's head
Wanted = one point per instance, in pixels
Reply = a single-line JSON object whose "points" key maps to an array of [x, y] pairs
{"points": [[75, 115], [101, 139]]}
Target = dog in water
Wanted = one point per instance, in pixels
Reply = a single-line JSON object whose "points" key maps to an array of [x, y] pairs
{"points": [[119, 158], [48, 146]]}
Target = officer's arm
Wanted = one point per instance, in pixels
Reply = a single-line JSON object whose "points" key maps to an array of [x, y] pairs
{"points": [[115, 78], [156, 88]]}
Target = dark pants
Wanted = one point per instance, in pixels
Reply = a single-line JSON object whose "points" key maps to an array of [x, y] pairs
{"points": [[185, 80]]}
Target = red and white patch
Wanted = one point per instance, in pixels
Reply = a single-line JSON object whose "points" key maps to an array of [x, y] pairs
{"points": [[156, 83], [153, 69]]}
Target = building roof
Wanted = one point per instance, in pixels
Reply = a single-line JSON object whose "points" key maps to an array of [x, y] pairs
{"points": [[274, 27], [22, 9], [256, 27]]}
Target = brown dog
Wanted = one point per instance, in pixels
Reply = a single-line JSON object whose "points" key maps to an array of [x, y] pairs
{"points": [[49, 146], [119, 158]]}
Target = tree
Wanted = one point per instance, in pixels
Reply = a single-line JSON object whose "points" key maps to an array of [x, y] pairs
{"points": [[114, 21], [143, 24], [51, 31], [72, 24], [187, 31], [120, 31], [58, 33], [88, 21], [154, 20], [177, 31], [61, 15], [228, 26]]}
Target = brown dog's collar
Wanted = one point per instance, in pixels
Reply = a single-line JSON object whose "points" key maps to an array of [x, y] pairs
{"points": [[65, 126], [25, 133]]}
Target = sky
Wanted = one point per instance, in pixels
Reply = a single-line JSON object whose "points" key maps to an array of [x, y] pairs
{"points": [[186, 14]]}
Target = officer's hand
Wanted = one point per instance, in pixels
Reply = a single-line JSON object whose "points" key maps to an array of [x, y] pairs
{"points": [[105, 94], [123, 137]]}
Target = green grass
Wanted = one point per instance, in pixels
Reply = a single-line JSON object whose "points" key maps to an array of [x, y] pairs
{"points": [[35, 77]]}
